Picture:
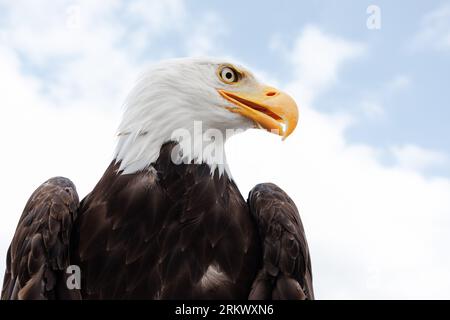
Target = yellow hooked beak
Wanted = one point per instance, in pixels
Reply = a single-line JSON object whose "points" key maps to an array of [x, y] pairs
{"points": [[269, 108]]}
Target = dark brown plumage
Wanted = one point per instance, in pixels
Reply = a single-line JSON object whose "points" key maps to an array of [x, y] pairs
{"points": [[39, 252], [170, 232]]}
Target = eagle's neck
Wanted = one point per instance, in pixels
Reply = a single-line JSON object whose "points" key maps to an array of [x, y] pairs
{"points": [[137, 151]]}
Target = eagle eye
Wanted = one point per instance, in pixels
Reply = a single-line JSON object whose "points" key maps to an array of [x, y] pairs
{"points": [[228, 75]]}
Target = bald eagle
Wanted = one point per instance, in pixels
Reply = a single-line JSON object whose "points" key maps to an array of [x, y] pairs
{"points": [[166, 220]]}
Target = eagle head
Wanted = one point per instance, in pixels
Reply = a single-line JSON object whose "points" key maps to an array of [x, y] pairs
{"points": [[199, 103]]}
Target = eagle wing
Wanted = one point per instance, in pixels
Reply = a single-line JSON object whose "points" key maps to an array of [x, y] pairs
{"points": [[39, 252], [286, 271]]}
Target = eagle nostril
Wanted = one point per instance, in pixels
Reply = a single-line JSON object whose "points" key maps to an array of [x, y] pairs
{"points": [[271, 93]]}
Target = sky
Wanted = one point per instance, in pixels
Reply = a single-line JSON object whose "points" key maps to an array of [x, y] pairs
{"points": [[368, 165]]}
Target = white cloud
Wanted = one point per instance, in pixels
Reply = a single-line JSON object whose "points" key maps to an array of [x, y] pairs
{"points": [[152, 19], [435, 30], [372, 108], [203, 39], [316, 58], [399, 82], [159, 15], [83, 45], [371, 104], [416, 158]]}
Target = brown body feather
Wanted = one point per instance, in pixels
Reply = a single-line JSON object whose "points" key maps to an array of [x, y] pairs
{"points": [[170, 232]]}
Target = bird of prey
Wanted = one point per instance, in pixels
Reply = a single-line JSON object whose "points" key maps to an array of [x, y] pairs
{"points": [[166, 220]]}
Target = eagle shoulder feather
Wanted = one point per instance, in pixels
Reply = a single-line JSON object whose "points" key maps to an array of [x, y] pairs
{"points": [[39, 252], [286, 271]]}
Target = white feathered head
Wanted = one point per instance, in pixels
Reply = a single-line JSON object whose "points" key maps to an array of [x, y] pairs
{"points": [[191, 100]]}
